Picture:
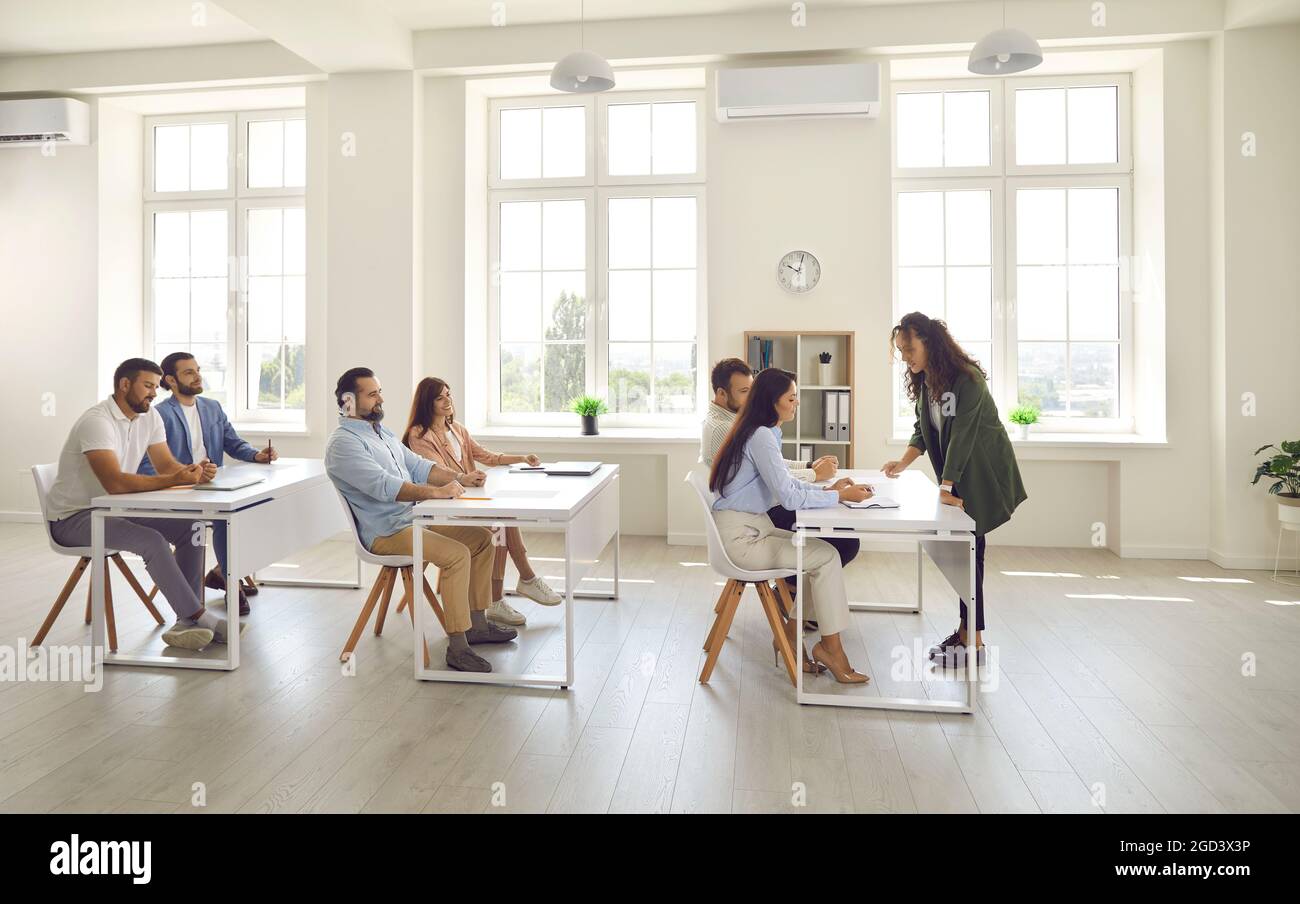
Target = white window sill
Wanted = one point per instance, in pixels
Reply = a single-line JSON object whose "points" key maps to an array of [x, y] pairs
{"points": [[1072, 441], [574, 434], [272, 429]]}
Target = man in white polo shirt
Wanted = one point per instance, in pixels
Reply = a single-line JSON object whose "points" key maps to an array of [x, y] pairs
{"points": [[118, 432]]}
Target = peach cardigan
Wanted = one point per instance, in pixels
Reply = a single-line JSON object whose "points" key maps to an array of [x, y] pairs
{"points": [[434, 446]]}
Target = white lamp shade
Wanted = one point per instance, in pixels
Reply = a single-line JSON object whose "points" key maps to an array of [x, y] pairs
{"points": [[582, 72], [1003, 52]]}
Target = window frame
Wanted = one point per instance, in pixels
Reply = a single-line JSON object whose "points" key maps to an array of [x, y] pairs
{"points": [[236, 200], [495, 182], [996, 152], [1123, 83], [649, 97]]}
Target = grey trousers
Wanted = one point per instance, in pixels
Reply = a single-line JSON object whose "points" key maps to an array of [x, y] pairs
{"points": [[177, 575]]}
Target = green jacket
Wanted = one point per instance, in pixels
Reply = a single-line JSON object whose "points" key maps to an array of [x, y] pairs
{"points": [[975, 451]]}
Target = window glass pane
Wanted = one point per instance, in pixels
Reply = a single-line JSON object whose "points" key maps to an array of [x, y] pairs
{"points": [[968, 227], [920, 130], [970, 302], [208, 243], [674, 377], [171, 158], [263, 380], [564, 142], [1040, 126], [295, 377], [966, 128], [1042, 376], [521, 377], [521, 144], [294, 289], [209, 150], [171, 310], [171, 243], [921, 289], [1040, 226], [521, 235], [629, 233], [674, 305], [265, 237], [266, 154], [564, 305], [295, 153], [265, 318], [208, 305], [1094, 379], [521, 307], [212, 363], [564, 235], [629, 139], [982, 352], [1094, 303], [920, 228], [1093, 125], [629, 305], [674, 232], [1094, 225], [1040, 302], [566, 375], [673, 147], [629, 377], [295, 240]]}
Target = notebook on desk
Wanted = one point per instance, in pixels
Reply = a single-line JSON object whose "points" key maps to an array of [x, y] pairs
{"points": [[875, 502], [560, 468]]}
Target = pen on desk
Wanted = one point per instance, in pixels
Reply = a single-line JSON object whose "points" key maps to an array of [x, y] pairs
{"points": [[476, 498], [269, 450]]}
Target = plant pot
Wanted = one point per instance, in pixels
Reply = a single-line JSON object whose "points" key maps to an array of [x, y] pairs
{"points": [[589, 427], [1022, 431], [1288, 510], [825, 377]]}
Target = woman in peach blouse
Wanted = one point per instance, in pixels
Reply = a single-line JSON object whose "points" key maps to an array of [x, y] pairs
{"points": [[432, 432]]}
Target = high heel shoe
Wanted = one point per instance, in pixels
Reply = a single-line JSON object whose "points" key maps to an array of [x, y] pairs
{"points": [[809, 666], [847, 676]]}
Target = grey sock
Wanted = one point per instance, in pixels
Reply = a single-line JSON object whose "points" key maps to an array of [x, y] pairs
{"points": [[457, 641], [478, 620]]}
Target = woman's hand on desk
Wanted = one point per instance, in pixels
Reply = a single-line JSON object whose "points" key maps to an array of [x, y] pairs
{"points": [[532, 460], [949, 499], [854, 492], [892, 468], [447, 491], [841, 484]]}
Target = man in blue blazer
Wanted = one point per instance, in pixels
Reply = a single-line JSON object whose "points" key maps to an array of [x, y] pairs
{"points": [[198, 430]]}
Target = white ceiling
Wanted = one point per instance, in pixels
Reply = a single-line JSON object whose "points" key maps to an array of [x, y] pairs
{"points": [[74, 26]]}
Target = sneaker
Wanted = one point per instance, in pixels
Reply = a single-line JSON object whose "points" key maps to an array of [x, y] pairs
{"points": [[187, 636], [538, 591], [503, 613], [219, 633], [492, 634]]}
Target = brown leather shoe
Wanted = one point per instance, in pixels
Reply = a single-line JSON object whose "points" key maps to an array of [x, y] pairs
{"points": [[214, 580]]}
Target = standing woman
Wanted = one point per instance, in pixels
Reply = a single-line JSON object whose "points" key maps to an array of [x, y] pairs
{"points": [[432, 433], [750, 476], [957, 423]]}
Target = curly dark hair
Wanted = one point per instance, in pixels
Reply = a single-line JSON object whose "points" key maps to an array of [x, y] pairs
{"points": [[945, 359]]}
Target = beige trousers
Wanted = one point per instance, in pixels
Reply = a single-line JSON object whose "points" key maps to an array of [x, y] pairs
{"points": [[463, 556], [755, 544]]}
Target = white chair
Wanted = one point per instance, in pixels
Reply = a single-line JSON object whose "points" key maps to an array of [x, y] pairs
{"points": [[44, 476], [737, 579], [389, 568]]}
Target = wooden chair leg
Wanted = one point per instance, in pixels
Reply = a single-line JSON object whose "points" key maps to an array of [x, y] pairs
{"points": [[390, 578], [787, 601], [767, 596], [90, 595], [408, 594], [363, 618], [728, 613], [135, 585], [68, 586], [723, 597], [433, 601], [108, 610]]}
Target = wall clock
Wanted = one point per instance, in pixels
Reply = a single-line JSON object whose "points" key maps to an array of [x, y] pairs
{"points": [[798, 272]]}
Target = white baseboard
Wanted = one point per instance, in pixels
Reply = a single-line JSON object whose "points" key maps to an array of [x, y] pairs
{"points": [[1164, 552], [20, 517], [1252, 563]]}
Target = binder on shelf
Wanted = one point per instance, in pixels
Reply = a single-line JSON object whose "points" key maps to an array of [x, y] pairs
{"points": [[805, 452], [831, 421], [753, 353], [844, 413]]}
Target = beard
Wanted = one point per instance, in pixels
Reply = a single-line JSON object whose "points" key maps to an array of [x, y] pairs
{"points": [[184, 390], [140, 407], [374, 415]]}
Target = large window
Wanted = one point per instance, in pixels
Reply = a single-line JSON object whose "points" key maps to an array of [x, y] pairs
{"points": [[1011, 212], [596, 277], [226, 255]]}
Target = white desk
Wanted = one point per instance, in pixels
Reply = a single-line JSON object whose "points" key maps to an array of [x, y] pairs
{"points": [[293, 508], [944, 532], [584, 509]]}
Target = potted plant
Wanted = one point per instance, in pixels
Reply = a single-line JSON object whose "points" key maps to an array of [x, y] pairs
{"points": [[824, 375], [1022, 416], [1284, 468], [588, 408]]}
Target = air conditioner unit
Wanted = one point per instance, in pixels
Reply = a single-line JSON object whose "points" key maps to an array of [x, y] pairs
{"points": [[63, 120], [799, 92]]}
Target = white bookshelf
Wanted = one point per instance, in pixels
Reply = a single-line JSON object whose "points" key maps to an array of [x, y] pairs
{"points": [[798, 352]]}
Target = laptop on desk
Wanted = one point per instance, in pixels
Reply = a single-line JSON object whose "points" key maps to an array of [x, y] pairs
{"points": [[560, 468], [230, 482]]}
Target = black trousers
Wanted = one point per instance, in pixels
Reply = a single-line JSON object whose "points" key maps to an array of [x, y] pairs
{"points": [[847, 547]]}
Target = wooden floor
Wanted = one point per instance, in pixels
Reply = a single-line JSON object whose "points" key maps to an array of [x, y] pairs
{"points": [[1116, 704]]}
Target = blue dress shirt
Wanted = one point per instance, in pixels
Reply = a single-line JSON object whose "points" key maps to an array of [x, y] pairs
{"points": [[763, 480], [369, 468]]}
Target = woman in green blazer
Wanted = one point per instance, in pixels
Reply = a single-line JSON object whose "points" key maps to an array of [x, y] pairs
{"points": [[957, 424]]}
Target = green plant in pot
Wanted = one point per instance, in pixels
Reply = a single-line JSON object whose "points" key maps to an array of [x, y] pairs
{"points": [[589, 408], [1022, 416], [1283, 466]]}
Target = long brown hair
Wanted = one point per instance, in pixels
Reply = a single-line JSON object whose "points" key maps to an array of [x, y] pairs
{"points": [[423, 408], [945, 360], [758, 411]]}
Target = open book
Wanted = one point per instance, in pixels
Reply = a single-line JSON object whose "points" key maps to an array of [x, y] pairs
{"points": [[875, 502]]}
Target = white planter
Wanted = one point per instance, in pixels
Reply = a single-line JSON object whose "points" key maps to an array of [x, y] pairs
{"points": [[1288, 511], [825, 374], [1020, 431]]}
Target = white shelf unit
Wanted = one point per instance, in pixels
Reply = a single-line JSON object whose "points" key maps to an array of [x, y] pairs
{"points": [[798, 351]]}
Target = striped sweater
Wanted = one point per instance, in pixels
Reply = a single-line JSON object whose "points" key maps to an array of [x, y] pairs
{"points": [[717, 424]]}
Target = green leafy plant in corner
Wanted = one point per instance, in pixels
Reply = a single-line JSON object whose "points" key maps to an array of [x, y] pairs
{"points": [[588, 406], [1284, 466], [1024, 414]]}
